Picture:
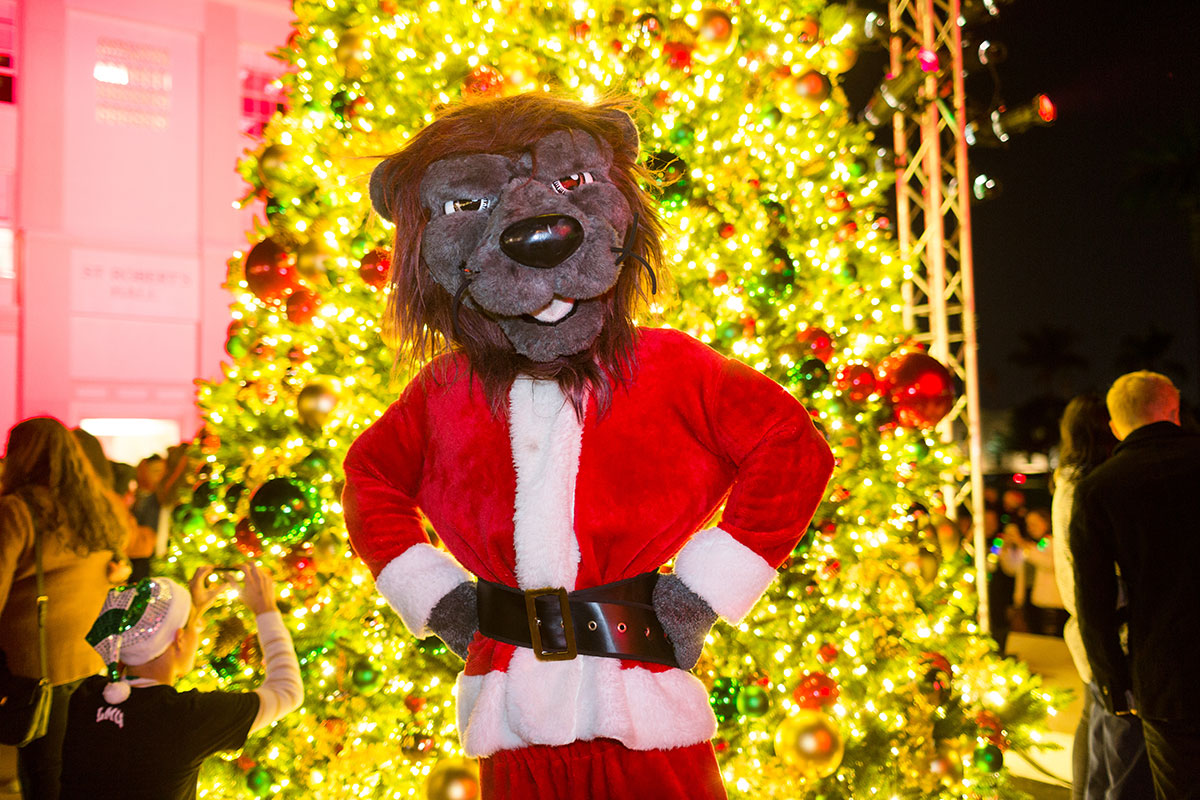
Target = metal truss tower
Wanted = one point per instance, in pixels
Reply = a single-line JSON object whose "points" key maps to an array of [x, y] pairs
{"points": [[933, 220]]}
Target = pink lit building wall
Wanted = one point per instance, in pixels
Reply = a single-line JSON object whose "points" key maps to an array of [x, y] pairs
{"points": [[117, 182]]}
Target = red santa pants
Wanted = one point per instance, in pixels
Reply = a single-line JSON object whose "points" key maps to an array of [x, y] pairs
{"points": [[599, 770]]}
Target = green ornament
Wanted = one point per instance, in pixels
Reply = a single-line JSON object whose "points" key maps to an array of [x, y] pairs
{"points": [[771, 116], [235, 346], [835, 407], [846, 274], [258, 781], [917, 449], [857, 168], [192, 522], [753, 701], [227, 666], [366, 676], [225, 528], [203, 494], [285, 511], [989, 758], [805, 543], [682, 136], [724, 698], [234, 493], [812, 374], [360, 245], [315, 462]]}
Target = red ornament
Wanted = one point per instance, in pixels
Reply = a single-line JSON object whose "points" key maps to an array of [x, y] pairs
{"points": [[679, 55], [718, 278], [809, 30], [937, 660], [919, 387], [269, 272], [483, 80], [580, 30], [662, 99], [831, 568], [827, 654], [415, 703], [837, 201], [302, 306], [847, 231], [297, 355], [374, 268], [247, 540], [816, 690], [817, 342], [727, 230], [855, 381], [301, 565]]}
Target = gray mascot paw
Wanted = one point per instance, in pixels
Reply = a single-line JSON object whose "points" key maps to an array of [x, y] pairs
{"points": [[455, 618], [685, 618]]}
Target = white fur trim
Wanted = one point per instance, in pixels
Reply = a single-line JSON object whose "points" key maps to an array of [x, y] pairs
{"points": [[546, 439], [643, 710], [727, 574], [414, 581]]}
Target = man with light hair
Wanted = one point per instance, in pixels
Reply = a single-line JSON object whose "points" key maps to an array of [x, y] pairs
{"points": [[1139, 513]]}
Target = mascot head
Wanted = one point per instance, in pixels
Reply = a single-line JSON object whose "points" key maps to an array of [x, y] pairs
{"points": [[523, 240]]}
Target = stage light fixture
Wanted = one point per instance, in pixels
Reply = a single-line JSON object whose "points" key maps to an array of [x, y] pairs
{"points": [[984, 187], [896, 93], [976, 12], [1003, 122], [987, 53]]}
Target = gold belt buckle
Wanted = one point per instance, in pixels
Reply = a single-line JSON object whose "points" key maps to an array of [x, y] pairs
{"points": [[535, 631]]}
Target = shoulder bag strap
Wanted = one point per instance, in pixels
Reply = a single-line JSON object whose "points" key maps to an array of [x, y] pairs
{"points": [[42, 599]]}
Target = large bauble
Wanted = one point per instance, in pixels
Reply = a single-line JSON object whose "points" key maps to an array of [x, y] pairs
{"points": [[810, 743], [855, 381], [920, 388], [375, 267], [269, 272], [315, 404], [815, 690], [283, 511], [453, 779], [716, 36], [353, 53]]}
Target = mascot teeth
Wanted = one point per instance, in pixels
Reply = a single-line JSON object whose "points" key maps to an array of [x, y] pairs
{"points": [[558, 308]]}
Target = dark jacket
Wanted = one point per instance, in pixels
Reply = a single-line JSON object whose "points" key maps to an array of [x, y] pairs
{"points": [[1141, 511]]}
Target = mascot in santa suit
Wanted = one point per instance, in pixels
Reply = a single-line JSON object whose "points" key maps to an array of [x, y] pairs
{"points": [[564, 456]]}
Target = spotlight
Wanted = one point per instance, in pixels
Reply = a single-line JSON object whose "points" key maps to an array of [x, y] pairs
{"points": [[976, 12], [983, 54], [985, 187], [1003, 122], [896, 93]]}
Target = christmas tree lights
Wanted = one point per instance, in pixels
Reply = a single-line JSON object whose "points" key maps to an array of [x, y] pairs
{"points": [[862, 673]]}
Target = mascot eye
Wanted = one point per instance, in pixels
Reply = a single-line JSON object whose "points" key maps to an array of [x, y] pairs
{"points": [[466, 205], [567, 184]]}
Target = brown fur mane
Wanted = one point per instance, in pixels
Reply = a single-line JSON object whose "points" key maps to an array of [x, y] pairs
{"points": [[419, 317]]}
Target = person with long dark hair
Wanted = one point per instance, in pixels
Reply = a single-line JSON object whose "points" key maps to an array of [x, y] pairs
{"points": [[1086, 441], [50, 490]]}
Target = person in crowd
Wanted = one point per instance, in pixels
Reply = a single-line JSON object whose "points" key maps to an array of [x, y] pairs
{"points": [[49, 490], [1109, 751], [130, 733], [1047, 615], [120, 568], [1006, 573], [146, 511], [1137, 512]]}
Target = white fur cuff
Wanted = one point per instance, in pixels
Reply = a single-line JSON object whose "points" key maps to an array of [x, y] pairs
{"points": [[727, 574], [414, 581]]}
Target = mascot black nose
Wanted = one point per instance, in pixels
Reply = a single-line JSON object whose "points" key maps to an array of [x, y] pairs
{"points": [[543, 242]]}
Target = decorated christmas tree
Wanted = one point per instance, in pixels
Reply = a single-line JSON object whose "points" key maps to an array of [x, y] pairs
{"points": [[862, 673]]}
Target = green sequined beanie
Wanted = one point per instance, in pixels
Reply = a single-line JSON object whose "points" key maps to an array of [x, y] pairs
{"points": [[136, 625]]}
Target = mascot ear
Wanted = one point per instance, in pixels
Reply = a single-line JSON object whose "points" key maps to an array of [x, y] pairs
{"points": [[379, 193], [629, 142]]}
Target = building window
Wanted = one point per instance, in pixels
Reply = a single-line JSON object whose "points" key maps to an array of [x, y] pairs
{"points": [[262, 96], [133, 84], [8, 49]]}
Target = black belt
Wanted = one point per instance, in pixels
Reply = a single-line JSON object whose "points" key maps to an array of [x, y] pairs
{"points": [[613, 620]]}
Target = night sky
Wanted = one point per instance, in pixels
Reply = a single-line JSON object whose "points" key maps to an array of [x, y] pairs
{"points": [[1060, 245]]}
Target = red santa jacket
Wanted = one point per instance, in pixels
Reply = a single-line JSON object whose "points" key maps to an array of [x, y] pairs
{"points": [[538, 499]]}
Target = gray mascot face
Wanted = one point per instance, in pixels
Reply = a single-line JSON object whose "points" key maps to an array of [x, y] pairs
{"points": [[530, 240]]}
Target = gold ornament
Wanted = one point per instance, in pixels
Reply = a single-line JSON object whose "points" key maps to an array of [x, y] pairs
{"points": [[810, 743], [272, 164], [716, 37], [453, 779], [802, 94], [315, 404], [353, 53], [838, 59], [520, 71], [313, 257]]}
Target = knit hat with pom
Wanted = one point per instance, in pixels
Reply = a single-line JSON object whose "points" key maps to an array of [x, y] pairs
{"points": [[136, 625]]}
